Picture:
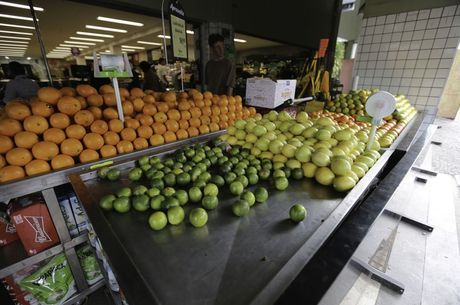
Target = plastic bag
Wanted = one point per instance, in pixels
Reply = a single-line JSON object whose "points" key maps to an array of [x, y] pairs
{"points": [[89, 264], [51, 284]]}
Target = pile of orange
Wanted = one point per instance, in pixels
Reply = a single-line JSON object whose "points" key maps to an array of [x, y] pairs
{"points": [[60, 128]]}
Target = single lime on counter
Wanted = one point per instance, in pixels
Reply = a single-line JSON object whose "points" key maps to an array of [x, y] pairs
{"points": [[297, 213], [240, 208], [176, 215], [261, 194], [158, 220], [281, 183], [198, 217]]}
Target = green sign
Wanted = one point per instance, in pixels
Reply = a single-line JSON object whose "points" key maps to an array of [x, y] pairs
{"points": [[179, 37]]}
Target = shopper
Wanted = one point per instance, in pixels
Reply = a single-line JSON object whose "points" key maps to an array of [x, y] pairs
{"points": [[220, 72], [20, 86], [151, 80], [162, 70]]}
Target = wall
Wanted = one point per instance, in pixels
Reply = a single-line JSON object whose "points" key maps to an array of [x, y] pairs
{"points": [[450, 100], [409, 53], [385, 7]]}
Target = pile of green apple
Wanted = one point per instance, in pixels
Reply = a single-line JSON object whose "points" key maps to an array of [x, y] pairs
{"points": [[352, 103], [332, 154]]}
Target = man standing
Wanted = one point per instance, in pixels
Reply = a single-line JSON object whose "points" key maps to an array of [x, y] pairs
{"points": [[220, 72], [21, 86]]}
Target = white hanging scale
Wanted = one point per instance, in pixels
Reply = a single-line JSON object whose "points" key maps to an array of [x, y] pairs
{"points": [[378, 106]]}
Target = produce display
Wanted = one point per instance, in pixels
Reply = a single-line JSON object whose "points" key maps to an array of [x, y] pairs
{"points": [[63, 127]]}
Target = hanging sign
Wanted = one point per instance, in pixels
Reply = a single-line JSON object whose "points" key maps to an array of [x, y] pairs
{"points": [[178, 30], [323, 43]]}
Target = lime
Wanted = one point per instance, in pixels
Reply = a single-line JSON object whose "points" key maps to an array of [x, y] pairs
{"points": [[124, 191], [176, 215], [281, 183], [189, 153], [143, 160], [158, 165], [218, 180], [182, 196], [102, 173], [169, 202], [166, 170], [287, 171], [154, 160], [153, 192], [279, 173], [211, 190], [157, 175], [113, 174], [139, 190], [261, 194], [198, 217], [264, 174], [297, 212], [243, 180], [146, 167], [181, 158], [158, 220], [200, 183], [240, 208], [140, 202], [205, 176], [210, 202], [169, 162], [222, 160], [106, 202], [148, 174], [156, 202], [122, 204], [249, 197], [251, 170], [236, 188], [297, 173], [170, 179], [168, 191], [177, 170], [230, 177], [157, 183], [195, 173], [194, 193], [183, 179], [253, 179], [239, 171]]}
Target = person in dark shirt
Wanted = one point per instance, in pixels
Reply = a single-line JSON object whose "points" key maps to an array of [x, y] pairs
{"points": [[21, 86], [220, 72], [151, 79]]}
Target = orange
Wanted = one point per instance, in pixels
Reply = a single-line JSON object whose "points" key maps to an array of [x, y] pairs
{"points": [[230, 122], [223, 101], [132, 123], [205, 120], [231, 116], [54, 135], [144, 131], [109, 99], [97, 112], [10, 127], [231, 108], [185, 115], [82, 100], [184, 105], [204, 129], [183, 95], [223, 110], [24, 139], [172, 125], [213, 127], [128, 134], [71, 147], [182, 134], [231, 100], [6, 143], [93, 140], [238, 107], [128, 108], [88, 155], [124, 92], [45, 150], [215, 110], [69, 105], [195, 122], [195, 112], [207, 102], [199, 103], [246, 113], [2, 162], [149, 99], [36, 124], [160, 117], [18, 156], [169, 96], [108, 151], [138, 104], [238, 115], [223, 117], [17, 110], [86, 90], [137, 92], [207, 95], [156, 139], [173, 114], [49, 95], [197, 96], [84, 117], [145, 119], [159, 128], [149, 109], [169, 136], [193, 131], [183, 124], [106, 89], [223, 125], [110, 113], [238, 99], [95, 100], [252, 111], [11, 172], [75, 131], [124, 147], [206, 111], [215, 100], [192, 103], [99, 126], [140, 143], [61, 161], [162, 107], [111, 138], [36, 167], [59, 120], [215, 118]]}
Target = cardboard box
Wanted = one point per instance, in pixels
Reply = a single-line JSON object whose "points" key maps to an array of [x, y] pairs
{"points": [[66, 209], [81, 218], [34, 226], [7, 232], [265, 93]]}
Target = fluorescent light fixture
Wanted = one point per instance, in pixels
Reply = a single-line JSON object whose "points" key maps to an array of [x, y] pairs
{"points": [[87, 39], [16, 17], [6, 57], [103, 28], [29, 58], [190, 32], [17, 26], [40, 9], [239, 40], [14, 32], [89, 57], [81, 43], [340, 39], [128, 50], [95, 34], [458, 47], [132, 47], [121, 21], [13, 45], [107, 51], [167, 37], [73, 46], [354, 48], [149, 42], [14, 41], [62, 48], [14, 37]]}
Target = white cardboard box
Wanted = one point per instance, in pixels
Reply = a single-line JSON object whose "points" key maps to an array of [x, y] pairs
{"points": [[263, 92]]}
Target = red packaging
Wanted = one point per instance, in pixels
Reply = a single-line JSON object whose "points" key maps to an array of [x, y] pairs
{"points": [[34, 226], [17, 295], [7, 232]]}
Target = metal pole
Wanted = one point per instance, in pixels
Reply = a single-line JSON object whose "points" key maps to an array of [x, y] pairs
{"points": [[182, 77], [164, 32], [40, 41]]}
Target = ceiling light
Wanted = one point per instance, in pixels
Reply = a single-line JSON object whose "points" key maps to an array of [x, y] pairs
{"points": [[16, 17], [167, 37], [89, 57], [73, 46], [133, 47], [95, 34], [107, 19], [149, 42], [6, 57], [14, 37], [29, 58], [80, 42], [87, 39], [103, 28], [14, 32], [128, 50], [17, 26], [239, 40], [13, 45], [107, 51], [62, 48], [14, 41], [340, 39], [40, 9], [190, 32]]}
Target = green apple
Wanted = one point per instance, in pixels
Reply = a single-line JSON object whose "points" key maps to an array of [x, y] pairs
{"points": [[240, 134], [270, 126], [309, 132], [266, 155], [262, 144], [289, 150], [295, 142], [251, 138], [323, 135], [359, 171], [272, 115], [240, 124], [296, 129], [279, 158], [320, 159], [284, 116], [270, 135], [324, 176], [285, 125], [340, 167], [324, 121], [276, 146], [302, 117], [259, 130], [309, 169], [293, 163], [303, 154], [231, 130]]}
